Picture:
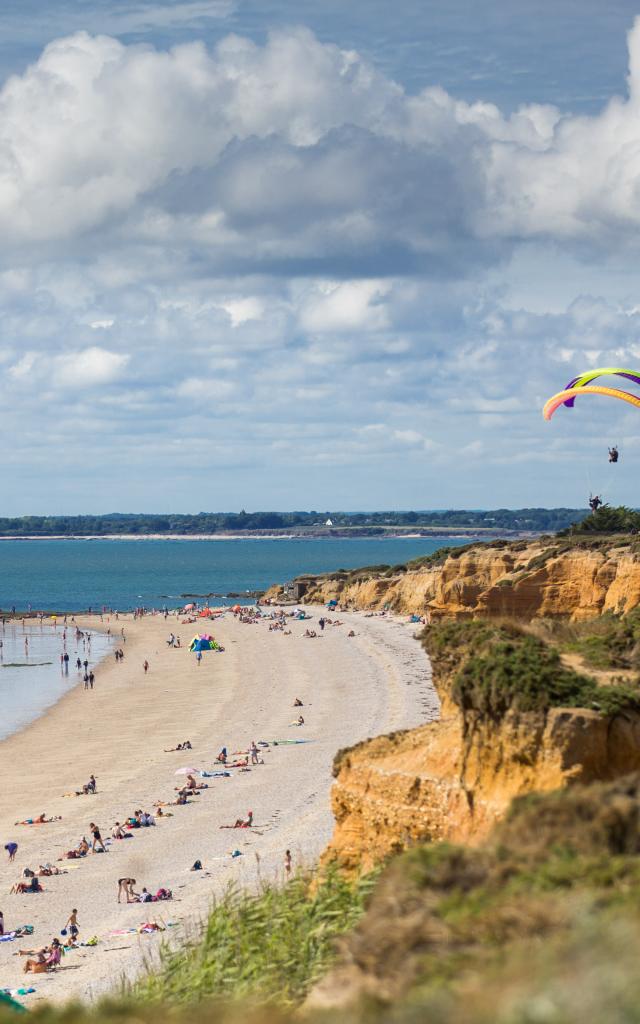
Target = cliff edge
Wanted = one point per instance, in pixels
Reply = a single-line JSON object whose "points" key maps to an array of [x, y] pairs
{"points": [[553, 578], [514, 720]]}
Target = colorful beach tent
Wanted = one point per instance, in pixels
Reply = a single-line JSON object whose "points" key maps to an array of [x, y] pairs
{"points": [[204, 643]]}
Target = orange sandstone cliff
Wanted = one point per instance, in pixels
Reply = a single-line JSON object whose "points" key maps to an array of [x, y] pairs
{"points": [[455, 778], [522, 580]]}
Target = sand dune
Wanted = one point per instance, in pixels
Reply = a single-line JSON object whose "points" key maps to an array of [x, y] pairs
{"points": [[351, 688]]}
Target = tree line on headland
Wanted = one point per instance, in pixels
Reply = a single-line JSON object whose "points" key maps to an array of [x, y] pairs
{"points": [[304, 523]]}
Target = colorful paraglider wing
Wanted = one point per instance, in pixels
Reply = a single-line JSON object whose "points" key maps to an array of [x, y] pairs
{"points": [[571, 393], [604, 371]]}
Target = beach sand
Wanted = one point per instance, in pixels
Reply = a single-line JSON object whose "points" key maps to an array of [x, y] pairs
{"points": [[352, 688]]}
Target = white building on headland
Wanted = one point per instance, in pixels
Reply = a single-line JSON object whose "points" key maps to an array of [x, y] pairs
{"points": [[329, 522]]}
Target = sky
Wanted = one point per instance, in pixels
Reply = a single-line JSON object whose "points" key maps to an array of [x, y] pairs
{"points": [[275, 254]]}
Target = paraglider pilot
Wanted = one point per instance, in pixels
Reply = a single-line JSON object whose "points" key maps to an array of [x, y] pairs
{"points": [[595, 503], [613, 454]]}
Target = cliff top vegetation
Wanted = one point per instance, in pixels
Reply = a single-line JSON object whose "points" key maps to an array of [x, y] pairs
{"points": [[498, 667]]}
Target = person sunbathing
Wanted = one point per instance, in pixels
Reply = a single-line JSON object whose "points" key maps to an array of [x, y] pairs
{"points": [[172, 750], [298, 703], [117, 831], [45, 870], [241, 823], [40, 820], [22, 888], [222, 756], [46, 959], [192, 784]]}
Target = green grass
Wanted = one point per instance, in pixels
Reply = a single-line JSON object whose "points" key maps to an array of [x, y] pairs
{"points": [[270, 947], [500, 667]]}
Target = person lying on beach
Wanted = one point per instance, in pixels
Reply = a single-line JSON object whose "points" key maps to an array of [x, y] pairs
{"points": [[181, 746], [125, 888], [44, 870], [300, 721], [310, 634], [40, 820], [24, 887]]}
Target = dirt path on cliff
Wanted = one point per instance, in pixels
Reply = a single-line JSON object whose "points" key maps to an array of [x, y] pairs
{"points": [[352, 688]]}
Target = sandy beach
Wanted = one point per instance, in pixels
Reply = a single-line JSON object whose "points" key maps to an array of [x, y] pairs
{"points": [[352, 688]]}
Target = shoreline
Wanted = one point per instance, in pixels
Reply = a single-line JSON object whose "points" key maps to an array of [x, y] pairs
{"points": [[435, 533], [36, 628], [352, 688]]}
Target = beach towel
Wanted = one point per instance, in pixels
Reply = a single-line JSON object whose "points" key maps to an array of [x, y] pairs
{"points": [[283, 743]]}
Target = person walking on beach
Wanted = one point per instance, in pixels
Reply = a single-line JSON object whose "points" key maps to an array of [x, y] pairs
{"points": [[72, 924], [66, 663], [86, 681], [91, 679], [97, 838], [78, 664], [287, 861], [145, 666]]}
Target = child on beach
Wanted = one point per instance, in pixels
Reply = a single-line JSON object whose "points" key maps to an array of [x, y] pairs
{"points": [[72, 924]]}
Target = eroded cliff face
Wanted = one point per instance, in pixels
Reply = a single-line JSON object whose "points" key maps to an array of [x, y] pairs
{"points": [[455, 778], [535, 580]]}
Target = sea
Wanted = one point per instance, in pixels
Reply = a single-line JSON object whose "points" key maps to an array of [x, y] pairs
{"points": [[67, 576], [32, 677]]}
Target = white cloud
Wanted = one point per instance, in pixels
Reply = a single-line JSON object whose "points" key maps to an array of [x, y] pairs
{"points": [[279, 237], [342, 306], [89, 367]]}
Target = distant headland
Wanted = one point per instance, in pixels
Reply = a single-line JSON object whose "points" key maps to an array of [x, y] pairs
{"points": [[211, 525]]}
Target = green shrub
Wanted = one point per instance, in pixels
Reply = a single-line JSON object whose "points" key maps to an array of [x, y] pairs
{"points": [[498, 667]]}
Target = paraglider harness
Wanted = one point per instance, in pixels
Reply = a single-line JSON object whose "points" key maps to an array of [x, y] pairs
{"points": [[614, 454]]}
